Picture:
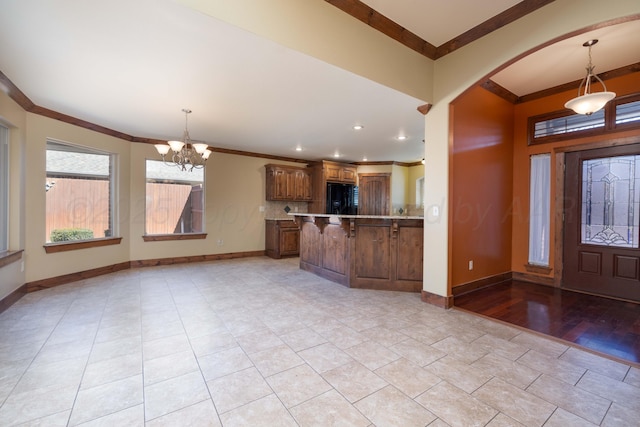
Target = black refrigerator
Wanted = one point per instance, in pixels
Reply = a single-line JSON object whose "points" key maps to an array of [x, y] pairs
{"points": [[342, 199]]}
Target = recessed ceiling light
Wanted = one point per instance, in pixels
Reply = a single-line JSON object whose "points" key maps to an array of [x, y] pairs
{"points": [[401, 137], [298, 148], [364, 159], [358, 127], [336, 154]]}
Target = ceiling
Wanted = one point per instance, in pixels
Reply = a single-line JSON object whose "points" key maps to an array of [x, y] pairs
{"points": [[131, 66]]}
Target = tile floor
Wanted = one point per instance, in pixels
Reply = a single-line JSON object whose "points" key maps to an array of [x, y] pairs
{"points": [[257, 342]]}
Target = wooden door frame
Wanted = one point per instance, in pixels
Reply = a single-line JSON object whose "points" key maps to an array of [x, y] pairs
{"points": [[559, 154]]}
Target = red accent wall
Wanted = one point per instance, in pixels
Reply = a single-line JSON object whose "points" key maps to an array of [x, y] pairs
{"points": [[481, 186]]}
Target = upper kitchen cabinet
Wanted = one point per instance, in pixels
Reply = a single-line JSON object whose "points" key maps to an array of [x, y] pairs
{"points": [[339, 172], [288, 183]]}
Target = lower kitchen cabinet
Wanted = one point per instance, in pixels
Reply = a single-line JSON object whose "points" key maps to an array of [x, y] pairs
{"points": [[282, 238]]}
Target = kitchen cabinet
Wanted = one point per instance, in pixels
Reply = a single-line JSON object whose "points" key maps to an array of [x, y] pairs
{"points": [[365, 252], [288, 183], [339, 172], [326, 171], [282, 238]]}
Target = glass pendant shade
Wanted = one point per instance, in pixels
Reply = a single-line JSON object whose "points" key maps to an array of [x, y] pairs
{"points": [[200, 147], [162, 148], [590, 103], [176, 146]]}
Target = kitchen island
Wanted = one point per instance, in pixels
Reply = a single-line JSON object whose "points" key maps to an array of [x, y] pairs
{"points": [[362, 251]]}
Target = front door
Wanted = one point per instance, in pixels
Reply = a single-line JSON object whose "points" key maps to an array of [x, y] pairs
{"points": [[602, 212]]}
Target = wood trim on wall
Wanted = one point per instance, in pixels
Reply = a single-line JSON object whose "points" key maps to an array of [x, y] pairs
{"points": [[510, 15], [12, 298], [10, 257], [481, 283], [386, 26], [374, 19], [533, 278], [81, 275], [193, 258], [166, 237], [511, 97], [437, 300], [52, 248], [51, 282]]}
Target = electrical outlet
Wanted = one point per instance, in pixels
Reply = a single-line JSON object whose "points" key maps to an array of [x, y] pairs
{"points": [[261, 208], [22, 267], [436, 211], [470, 264], [295, 209], [220, 242]]}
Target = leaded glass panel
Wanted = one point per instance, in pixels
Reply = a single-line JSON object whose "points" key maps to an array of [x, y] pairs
{"points": [[611, 201]]}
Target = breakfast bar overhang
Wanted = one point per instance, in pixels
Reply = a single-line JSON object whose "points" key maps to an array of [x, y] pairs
{"points": [[360, 251]]}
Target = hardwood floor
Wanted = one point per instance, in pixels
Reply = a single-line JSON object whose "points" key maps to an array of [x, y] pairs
{"points": [[604, 325]]}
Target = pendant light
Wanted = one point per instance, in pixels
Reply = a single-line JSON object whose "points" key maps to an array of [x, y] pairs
{"points": [[590, 102]]}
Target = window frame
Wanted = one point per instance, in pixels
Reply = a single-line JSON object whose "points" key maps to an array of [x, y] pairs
{"points": [[610, 125], [4, 188], [158, 237], [113, 239]]}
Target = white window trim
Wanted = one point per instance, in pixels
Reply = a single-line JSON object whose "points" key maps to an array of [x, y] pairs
{"points": [[539, 209]]}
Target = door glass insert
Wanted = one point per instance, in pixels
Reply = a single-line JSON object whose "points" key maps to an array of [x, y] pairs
{"points": [[610, 201]]}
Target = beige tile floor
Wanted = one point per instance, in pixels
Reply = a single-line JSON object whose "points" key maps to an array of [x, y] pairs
{"points": [[257, 342]]}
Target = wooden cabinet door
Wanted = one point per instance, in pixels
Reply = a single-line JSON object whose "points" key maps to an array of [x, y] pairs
{"points": [[410, 253], [373, 250], [349, 174], [332, 172], [302, 185], [373, 194], [280, 184], [289, 241]]}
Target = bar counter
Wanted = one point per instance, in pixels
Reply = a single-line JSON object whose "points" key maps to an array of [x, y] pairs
{"points": [[363, 251]]}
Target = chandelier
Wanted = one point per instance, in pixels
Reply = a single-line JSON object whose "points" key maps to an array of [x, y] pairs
{"points": [[185, 154], [588, 103]]}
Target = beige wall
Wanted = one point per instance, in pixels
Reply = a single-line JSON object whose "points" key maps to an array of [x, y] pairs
{"points": [[234, 192], [11, 115], [323, 31], [38, 264]]}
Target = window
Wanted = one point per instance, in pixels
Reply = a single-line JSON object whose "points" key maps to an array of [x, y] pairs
{"points": [[568, 124], [539, 213], [420, 192], [4, 188], [619, 114], [175, 199], [79, 193]]}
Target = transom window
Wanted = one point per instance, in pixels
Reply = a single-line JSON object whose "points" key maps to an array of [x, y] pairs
{"points": [[79, 193], [619, 114]]}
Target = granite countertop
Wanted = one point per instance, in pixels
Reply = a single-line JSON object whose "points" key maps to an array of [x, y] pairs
{"points": [[355, 216]]}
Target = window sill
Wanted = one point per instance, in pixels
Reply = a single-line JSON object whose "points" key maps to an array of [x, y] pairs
{"points": [[539, 269], [165, 237], [9, 257], [52, 248]]}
